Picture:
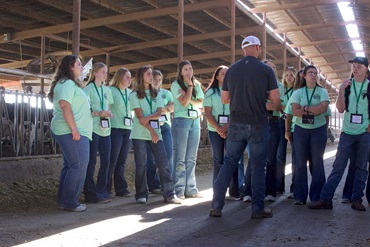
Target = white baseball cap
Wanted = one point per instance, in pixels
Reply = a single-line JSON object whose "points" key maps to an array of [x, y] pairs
{"points": [[250, 40]]}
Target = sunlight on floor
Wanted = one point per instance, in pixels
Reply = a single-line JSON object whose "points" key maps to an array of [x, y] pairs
{"points": [[97, 234]]}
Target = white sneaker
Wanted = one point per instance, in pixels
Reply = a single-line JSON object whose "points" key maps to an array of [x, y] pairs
{"points": [[247, 199], [270, 198], [141, 200], [290, 196], [173, 200]]}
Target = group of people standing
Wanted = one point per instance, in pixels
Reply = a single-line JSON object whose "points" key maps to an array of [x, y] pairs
{"points": [[246, 109], [105, 119], [266, 114]]}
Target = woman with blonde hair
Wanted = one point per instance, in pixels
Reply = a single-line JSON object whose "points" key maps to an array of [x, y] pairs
{"points": [[101, 99], [120, 132]]}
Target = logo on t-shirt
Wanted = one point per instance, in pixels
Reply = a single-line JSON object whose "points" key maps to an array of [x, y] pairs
{"points": [[317, 97]]}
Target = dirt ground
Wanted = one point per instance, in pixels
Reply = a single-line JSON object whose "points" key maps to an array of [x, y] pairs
{"points": [[29, 218]]}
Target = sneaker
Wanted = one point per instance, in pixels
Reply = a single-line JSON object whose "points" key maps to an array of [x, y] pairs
{"points": [[173, 200], [79, 208], [97, 200], [156, 191], [270, 198], [290, 196], [141, 200], [111, 195], [356, 205], [195, 196], [266, 213], [125, 194], [322, 204], [346, 200], [247, 199], [182, 197], [299, 203], [103, 201], [215, 212]]}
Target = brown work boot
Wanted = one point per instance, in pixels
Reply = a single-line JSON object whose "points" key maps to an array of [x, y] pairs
{"points": [[356, 205], [266, 213], [322, 204], [215, 212]]}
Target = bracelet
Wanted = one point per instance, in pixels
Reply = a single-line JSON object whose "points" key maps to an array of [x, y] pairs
{"points": [[191, 85], [287, 131]]}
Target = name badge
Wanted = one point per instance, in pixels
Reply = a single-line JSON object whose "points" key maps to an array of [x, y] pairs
{"points": [[162, 118], [192, 113], [356, 118], [223, 119], [104, 123], [127, 121], [308, 119], [154, 124]]}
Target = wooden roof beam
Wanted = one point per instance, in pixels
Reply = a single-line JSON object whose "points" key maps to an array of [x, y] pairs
{"points": [[117, 19], [332, 53]]}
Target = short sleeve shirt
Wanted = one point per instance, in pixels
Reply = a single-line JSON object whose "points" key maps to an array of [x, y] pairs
{"points": [[319, 95], [121, 107], [281, 90], [179, 109], [148, 107], [68, 91], [351, 128], [213, 99], [288, 110], [166, 98], [100, 98]]}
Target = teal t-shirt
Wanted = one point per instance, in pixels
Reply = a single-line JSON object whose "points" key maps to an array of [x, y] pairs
{"points": [[213, 99], [286, 95], [288, 110], [180, 110], [281, 91], [351, 128], [121, 107], [318, 95], [100, 98], [139, 131], [80, 105], [166, 97]]}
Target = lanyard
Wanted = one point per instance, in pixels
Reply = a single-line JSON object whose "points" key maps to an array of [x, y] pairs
{"points": [[125, 100], [223, 109], [150, 103], [287, 92], [359, 94], [102, 97], [309, 99]]}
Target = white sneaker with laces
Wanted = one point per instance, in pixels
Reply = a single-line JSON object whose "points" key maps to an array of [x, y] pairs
{"points": [[270, 198], [141, 200]]}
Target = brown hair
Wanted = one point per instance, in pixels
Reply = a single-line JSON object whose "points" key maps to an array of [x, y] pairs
{"points": [[139, 86]]}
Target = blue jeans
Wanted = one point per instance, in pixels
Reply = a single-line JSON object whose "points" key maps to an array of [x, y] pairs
{"points": [[309, 142], [72, 176], [186, 136], [218, 149], [120, 146], [140, 154], [152, 177], [98, 191], [281, 159], [348, 185], [271, 158], [345, 146], [238, 137]]}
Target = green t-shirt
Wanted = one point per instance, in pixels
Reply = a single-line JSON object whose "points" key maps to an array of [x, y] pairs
{"points": [[166, 97], [139, 131], [281, 91], [80, 105], [288, 110], [213, 99], [319, 95], [286, 95], [180, 110], [100, 98], [351, 128], [120, 108]]}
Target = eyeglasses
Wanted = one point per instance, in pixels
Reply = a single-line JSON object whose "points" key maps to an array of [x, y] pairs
{"points": [[312, 73]]}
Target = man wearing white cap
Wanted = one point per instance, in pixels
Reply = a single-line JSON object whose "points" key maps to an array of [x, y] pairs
{"points": [[247, 85]]}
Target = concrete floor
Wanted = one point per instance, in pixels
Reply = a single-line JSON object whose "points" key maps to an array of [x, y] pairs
{"points": [[126, 223]]}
